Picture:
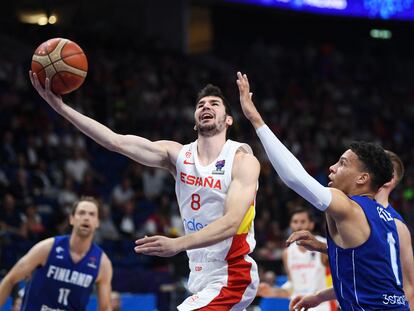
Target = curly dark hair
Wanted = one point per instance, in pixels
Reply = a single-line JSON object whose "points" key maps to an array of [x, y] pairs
{"points": [[375, 161], [212, 90]]}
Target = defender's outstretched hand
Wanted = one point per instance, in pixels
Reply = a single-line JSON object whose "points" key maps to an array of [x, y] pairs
{"points": [[158, 245], [308, 240], [51, 98], [246, 102]]}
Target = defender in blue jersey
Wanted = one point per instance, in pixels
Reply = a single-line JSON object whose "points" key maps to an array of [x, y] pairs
{"points": [[63, 269], [363, 239], [306, 239]]}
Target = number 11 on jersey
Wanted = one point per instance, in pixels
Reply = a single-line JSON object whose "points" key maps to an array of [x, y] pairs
{"points": [[63, 296]]}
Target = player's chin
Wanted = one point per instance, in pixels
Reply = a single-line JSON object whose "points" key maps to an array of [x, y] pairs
{"points": [[85, 231]]}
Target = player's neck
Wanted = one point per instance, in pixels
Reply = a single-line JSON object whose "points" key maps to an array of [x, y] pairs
{"points": [[208, 148], [382, 197], [80, 245]]}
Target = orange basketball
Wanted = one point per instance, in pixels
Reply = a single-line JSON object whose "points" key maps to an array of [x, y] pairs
{"points": [[63, 62]]}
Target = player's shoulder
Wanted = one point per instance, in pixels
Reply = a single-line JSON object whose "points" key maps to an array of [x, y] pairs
{"points": [[244, 160], [40, 251], [243, 152], [45, 245]]}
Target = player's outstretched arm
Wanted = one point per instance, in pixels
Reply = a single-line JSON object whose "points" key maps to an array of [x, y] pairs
{"points": [[36, 256], [290, 170], [407, 261], [308, 240], [103, 284], [239, 199], [156, 154]]}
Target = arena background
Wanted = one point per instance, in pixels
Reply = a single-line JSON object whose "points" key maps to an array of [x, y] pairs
{"points": [[320, 80]]}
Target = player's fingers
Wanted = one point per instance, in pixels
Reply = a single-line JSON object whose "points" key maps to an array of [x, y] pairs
{"points": [[35, 81], [47, 85], [145, 249], [31, 77], [146, 239]]}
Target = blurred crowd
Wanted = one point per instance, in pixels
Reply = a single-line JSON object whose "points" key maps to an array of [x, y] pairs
{"points": [[316, 99]]}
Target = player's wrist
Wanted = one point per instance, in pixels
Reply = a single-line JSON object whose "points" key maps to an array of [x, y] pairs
{"points": [[319, 297], [256, 120], [322, 247], [182, 243]]}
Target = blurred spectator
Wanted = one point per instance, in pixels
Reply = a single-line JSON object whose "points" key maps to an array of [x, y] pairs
{"points": [[67, 195], [20, 187], [116, 301], [10, 219], [127, 225], [107, 229], [41, 182], [122, 192], [77, 165], [153, 182], [33, 224]]}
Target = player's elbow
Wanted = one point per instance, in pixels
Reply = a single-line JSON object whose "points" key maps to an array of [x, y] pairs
{"points": [[114, 142], [232, 226]]}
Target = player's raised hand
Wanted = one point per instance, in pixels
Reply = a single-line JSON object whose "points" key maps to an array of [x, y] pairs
{"points": [[308, 240], [303, 303], [51, 98], [246, 102], [157, 246]]}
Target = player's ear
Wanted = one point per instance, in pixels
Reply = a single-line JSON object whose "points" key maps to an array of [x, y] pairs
{"points": [[363, 178], [229, 120]]}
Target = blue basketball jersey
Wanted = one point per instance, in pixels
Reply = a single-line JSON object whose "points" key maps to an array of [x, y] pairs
{"points": [[61, 284], [394, 213], [369, 276]]}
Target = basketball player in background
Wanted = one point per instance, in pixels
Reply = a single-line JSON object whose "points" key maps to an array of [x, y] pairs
{"points": [[362, 237], [63, 269], [307, 240], [216, 182], [306, 270]]}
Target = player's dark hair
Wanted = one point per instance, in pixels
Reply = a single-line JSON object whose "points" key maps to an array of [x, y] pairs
{"points": [[212, 90], [375, 161], [397, 164], [86, 199], [301, 209]]}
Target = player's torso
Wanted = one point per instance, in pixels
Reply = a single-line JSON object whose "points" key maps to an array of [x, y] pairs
{"points": [[308, 274], [62, 284], [369, 276], [201, 193]]}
